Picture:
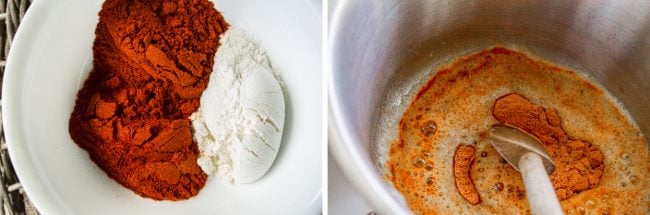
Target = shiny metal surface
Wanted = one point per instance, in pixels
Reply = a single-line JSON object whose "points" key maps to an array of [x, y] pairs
{"points": [[513, 143], [383, 50]]}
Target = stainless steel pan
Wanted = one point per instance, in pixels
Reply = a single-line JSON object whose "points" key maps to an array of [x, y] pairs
{"points": [[382, 50]]}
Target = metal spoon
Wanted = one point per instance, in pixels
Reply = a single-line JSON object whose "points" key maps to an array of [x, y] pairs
{"points": [[527, 155]]}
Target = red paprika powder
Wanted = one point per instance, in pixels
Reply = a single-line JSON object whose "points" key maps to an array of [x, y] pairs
{"points": [[152, 60]]}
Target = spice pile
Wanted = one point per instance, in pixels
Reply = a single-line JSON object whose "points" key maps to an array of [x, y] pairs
{"points": [[152, 60], [579, 164], [463, 159]]}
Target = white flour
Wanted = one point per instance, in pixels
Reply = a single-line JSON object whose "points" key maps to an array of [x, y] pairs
{"points": [[239, 124]]}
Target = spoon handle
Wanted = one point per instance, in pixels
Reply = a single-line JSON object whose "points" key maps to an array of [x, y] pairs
{"points": [[539, 190]]}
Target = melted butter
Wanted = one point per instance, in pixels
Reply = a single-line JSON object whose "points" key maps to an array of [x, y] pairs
{"points": [[459, 99]]}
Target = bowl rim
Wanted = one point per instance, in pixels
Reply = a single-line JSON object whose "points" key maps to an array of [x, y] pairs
{"points": [[12, 111]]}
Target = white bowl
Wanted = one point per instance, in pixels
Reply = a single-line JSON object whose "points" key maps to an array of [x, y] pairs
{"points": [[49, 61]]}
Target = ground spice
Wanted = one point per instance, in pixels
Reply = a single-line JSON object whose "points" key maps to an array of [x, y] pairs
{"points": [[463, 160], [579, 164], [152, 60]]}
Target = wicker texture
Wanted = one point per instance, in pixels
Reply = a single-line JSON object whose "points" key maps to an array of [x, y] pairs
{"points": [[12, 196]]}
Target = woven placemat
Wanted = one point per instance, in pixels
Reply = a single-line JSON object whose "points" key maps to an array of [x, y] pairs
{"points": [[12, 197]]}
